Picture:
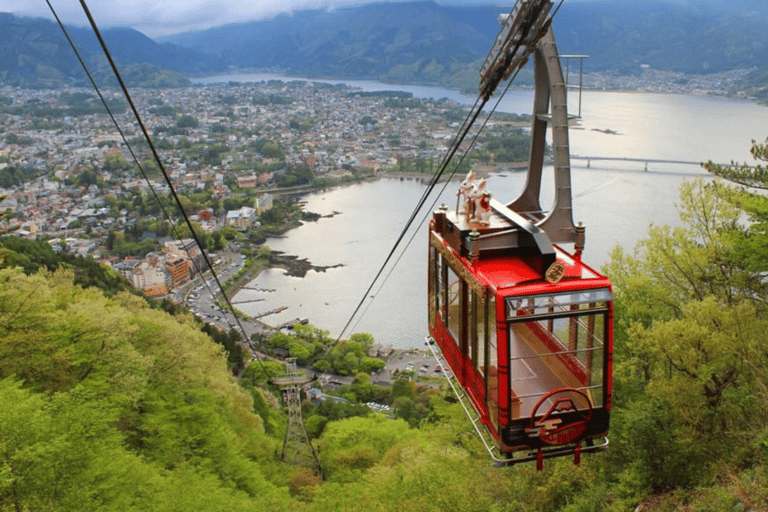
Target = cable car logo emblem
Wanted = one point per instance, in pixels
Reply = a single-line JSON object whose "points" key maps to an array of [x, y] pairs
{"points": [[555, 272], [551, 427]]}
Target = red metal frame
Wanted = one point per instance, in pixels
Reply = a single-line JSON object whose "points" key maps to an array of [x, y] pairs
{"points": [[506, 276]]}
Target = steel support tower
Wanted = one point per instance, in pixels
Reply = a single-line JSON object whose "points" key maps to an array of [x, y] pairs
{"points": [[297, 448]]}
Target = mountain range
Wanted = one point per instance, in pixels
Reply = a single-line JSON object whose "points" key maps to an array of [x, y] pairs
{"points": [[35, 53], [416, 42]]}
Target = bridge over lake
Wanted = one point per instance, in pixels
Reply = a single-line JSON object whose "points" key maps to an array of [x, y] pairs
{"points": [[641, 160], [645, 161]]}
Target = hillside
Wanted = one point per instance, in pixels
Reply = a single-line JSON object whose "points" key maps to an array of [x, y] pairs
{"points": [[35, 53], [367, 41], [423, 41], [623, 35], [410, 42]]}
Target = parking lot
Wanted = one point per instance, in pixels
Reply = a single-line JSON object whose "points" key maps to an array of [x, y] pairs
{"points": [[417, 363]]}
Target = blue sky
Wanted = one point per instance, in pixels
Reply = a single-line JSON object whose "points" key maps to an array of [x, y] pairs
{"points": [[161, 17]]}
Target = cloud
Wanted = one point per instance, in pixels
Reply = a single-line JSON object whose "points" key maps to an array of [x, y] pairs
{"points": [[160, 17]]}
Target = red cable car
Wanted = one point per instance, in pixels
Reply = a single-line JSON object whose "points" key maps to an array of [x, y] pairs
{"points": [[525, 326], [527, 335]]}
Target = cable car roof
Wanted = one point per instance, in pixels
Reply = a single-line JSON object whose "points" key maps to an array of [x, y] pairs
{"points": [[522, 274]]}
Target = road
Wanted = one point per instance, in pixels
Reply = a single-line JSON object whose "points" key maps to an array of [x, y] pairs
{"points": [[198, 297]]}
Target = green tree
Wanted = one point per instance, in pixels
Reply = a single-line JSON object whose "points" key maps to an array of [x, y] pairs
{"points": [[690, 379], [116, 162], [272, 150], [371, 364], [752, 241], [259, 373], [59, 452], [187, 121], [322, 366], [403, 387], [355, 444], [347, 364], [755, 176], [406, 409]]}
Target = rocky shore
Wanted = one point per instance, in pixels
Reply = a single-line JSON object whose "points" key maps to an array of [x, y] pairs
{"points": [[294, 266]]}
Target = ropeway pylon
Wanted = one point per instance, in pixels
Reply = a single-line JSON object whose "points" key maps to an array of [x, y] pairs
{"points": [[297, 448]]}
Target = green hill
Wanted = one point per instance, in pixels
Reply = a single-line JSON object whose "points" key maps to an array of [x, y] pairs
{"points": [[427, 42], [406, 42], [35, 53]]}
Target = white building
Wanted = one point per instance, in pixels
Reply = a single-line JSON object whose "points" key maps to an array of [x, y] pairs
{"points": [[242, 219]]}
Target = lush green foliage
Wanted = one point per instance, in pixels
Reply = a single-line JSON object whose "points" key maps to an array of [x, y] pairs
{"points": [[690, 372], [106, 403], [12, 176], [33, 255], [508, 145]]}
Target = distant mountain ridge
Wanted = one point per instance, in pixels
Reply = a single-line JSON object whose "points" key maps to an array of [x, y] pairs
{"points": [[364, 41], [622, 35], [423, 40], [409, 42], [35, 53]]}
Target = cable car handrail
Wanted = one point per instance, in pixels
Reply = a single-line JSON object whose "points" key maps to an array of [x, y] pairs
{"points": [[532, 395], [481, 432], [549, 316], [563, 352], [579, 323]]}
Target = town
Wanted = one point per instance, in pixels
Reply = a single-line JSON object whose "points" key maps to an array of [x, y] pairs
{"points": [[229, 150]]}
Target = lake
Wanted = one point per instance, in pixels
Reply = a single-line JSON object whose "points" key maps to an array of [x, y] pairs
{"points": [[616, 200]]}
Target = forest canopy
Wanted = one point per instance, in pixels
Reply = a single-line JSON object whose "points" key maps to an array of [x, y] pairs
{"points": [[110, 403]]}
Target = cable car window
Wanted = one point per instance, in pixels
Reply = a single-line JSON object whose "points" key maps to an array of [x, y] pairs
{"points": [[557, 303], [485, 325], [454, 304], [556, 341], [472, 324], [433, 285], [492, 362], [441, 291]]}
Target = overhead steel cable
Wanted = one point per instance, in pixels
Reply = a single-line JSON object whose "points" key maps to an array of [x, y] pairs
{"points": [[122, 135], [114, 121], [483, 98], [437, 197], [157, 158], [449, 155]]}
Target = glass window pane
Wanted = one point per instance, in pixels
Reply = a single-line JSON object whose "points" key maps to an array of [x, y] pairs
{"points": [[454, 305], [472, 334], [552, 353], [483, 327], [441, 292], [433, 284], [492, 357]]}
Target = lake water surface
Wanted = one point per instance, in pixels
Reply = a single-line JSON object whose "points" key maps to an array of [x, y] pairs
{"points": [[615, 200]]}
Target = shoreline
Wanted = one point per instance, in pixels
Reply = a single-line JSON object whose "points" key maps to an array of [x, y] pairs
{"points": [[296, 266], [654, 82]]}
